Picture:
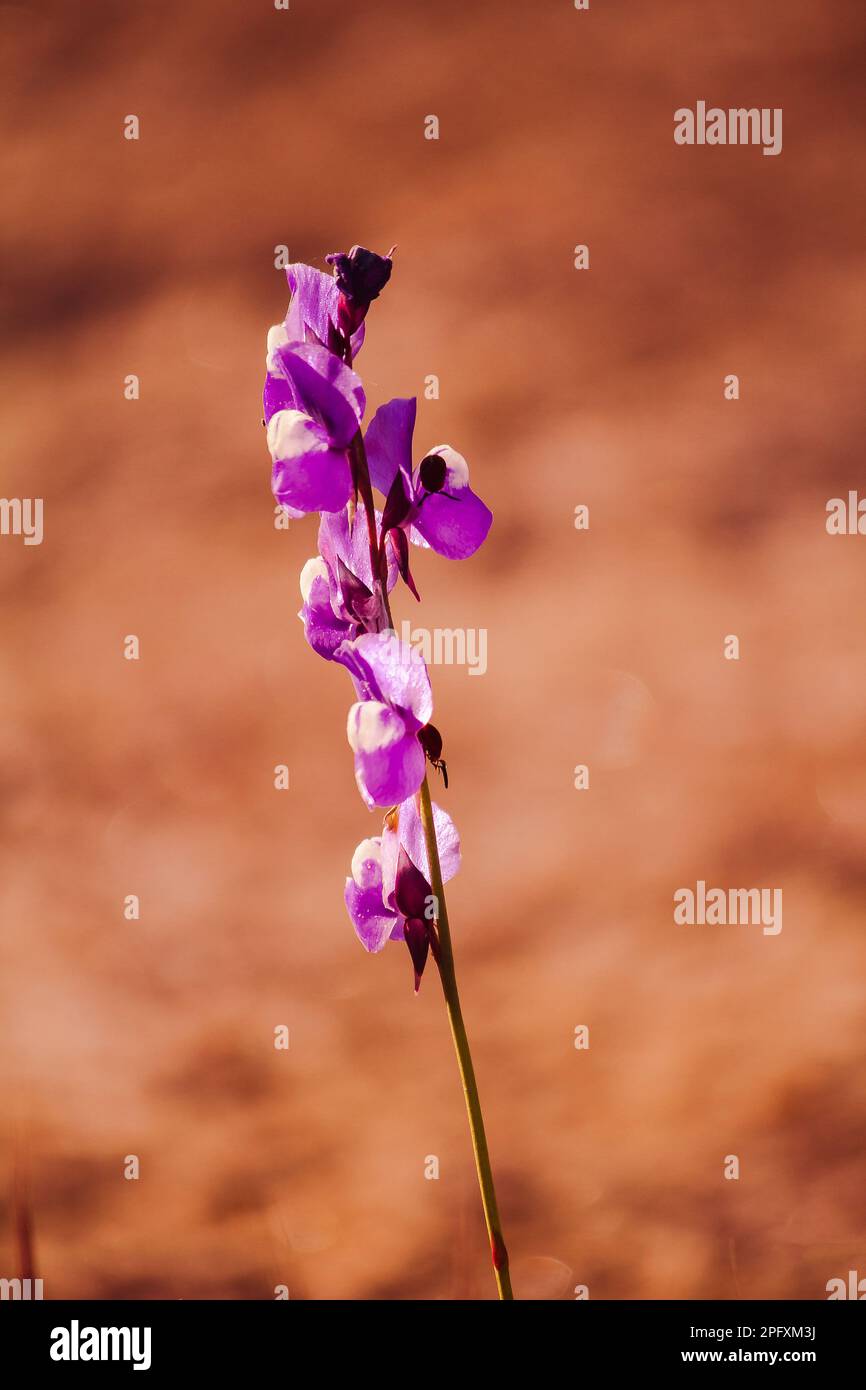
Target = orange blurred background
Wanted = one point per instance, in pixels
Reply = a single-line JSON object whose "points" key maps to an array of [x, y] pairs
{"points": [[605, 647]]}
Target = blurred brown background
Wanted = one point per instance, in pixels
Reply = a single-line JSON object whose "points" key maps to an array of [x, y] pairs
{"points": [[605, 647]]}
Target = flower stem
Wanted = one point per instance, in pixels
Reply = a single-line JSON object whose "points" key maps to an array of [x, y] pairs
{"points": [[361, 475], [361, 478], [445, 962]]}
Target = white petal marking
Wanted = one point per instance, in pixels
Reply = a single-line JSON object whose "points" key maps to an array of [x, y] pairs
{"points": [[315, 568], [367, 863], [277, 338], [288, 434], [372, 726]]}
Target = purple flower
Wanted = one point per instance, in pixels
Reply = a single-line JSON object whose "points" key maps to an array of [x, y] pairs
{"points": [[340, 602], [432, 503], [313, 406], [394, 702], [314, 310], [359, 276], [388, 896]]}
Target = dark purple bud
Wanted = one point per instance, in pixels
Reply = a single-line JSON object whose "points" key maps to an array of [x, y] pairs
{"points": [[411, 889], [432, 471], [430, 740], [358, 599], [418, 941], [337, 343], [400, 544], [360, 274], [397, 504], [350, 316]]}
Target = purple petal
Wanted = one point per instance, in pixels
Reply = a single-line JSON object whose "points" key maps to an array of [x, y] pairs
{"points": [[403, 829], [417, 539], [412, 838], [324, 388], [454, 528], [389, 761], [389, 442], [277, 395], [340, 540], [453, 521], [314, 306], [372, 921], [396, 674], [307, 474], [322, 629]]}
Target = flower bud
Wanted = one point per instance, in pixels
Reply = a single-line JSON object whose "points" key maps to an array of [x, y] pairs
{"points": [[360, 275]]}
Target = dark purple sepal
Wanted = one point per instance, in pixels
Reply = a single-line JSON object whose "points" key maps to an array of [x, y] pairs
{"points": [[418, 941], [354, 592], [412, 892], [397, 504], [337, 340], [400, 545], [350, 315]]}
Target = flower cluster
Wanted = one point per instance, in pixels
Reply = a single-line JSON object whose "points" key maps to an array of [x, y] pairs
{"points": [[325, 461]]}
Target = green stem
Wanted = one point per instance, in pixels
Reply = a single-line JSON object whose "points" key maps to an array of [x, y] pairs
{"points": [[464, 1056]]}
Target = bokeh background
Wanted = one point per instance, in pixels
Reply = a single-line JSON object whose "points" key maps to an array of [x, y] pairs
{"points": [[707, 517]]}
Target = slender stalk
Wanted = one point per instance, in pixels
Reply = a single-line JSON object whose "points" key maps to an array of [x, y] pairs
{"points": [[361, 474], [361, 477], [444, 953], [447, 974]]}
